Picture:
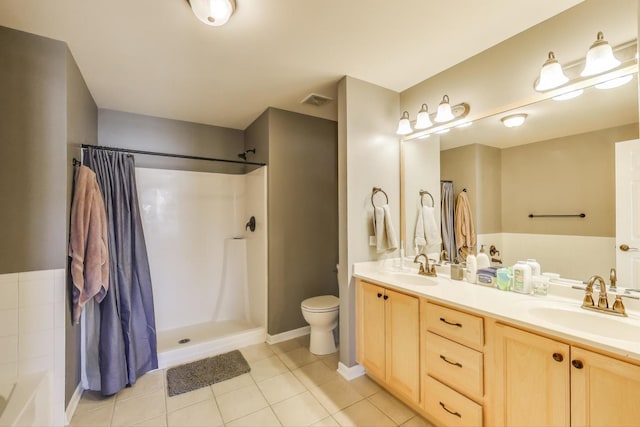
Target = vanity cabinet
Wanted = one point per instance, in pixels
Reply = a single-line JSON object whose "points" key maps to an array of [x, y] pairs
{"points": [[388, 346], [542, 381]]}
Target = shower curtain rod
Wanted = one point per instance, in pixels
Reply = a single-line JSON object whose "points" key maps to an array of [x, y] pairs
{"points": [[179, 156]]}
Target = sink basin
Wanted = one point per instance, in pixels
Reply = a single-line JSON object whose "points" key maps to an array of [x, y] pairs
{"points": [[409, 278], [583, 321]]}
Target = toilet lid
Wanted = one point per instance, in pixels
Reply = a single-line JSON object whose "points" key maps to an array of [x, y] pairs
{"points": [[321, 303]]}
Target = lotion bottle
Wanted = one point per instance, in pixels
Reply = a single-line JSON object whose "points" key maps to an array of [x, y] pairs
{"points": [[472, 268], [521, 278], [483, 259]]}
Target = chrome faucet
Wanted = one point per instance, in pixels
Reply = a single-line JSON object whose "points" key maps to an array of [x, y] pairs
{"points": [[425, 269]]}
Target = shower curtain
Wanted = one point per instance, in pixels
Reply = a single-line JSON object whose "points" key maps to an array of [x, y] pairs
{"points": [[448, 229], [127, 345]]}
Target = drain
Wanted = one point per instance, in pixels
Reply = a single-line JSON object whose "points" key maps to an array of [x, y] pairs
{"points": [[184, 340]]}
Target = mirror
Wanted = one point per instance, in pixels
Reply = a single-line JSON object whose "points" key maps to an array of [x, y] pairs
{"points": [[559, 162]]}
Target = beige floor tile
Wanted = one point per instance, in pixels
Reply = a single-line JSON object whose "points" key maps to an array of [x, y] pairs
{"points": [[241, 402], [185, 399], [331, 360], [267, 368], [281, 387], [304, 341], [137, 409], [159, 421], [148, 383], [298, 357], [315, 374], [365, 386], [263, 418], [284, 346], [392, 407], [240, 381], [203, 413], [417, 421], [363, 413], [336, 395], [92, 400], [257, 352], [326, 422], [300, 410], [93, 418]]}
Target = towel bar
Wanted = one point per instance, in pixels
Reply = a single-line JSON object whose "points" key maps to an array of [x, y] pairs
{"points": [[378, 190], [425, 192]]}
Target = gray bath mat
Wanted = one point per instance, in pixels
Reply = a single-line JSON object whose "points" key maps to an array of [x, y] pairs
{"points": [[202, 373]]}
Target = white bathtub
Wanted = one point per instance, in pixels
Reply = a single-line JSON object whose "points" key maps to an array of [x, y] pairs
{"points": [[26, 401]]}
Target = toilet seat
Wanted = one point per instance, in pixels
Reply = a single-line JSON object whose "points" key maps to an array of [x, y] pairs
{"points": [[321, 304]]}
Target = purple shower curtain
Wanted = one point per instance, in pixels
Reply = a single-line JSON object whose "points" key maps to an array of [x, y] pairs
{"points": [[127, 343]]}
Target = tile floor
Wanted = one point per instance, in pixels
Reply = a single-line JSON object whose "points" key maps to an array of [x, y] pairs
{"points": [[287, 386]]}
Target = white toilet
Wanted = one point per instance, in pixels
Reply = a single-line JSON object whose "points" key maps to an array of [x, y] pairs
{"points": [[321, 313]]}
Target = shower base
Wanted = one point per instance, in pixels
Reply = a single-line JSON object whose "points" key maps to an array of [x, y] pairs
{"points": [[205, 339]]}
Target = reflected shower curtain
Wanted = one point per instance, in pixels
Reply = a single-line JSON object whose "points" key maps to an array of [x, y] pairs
{"points": [[447, 215], [127, 343]]}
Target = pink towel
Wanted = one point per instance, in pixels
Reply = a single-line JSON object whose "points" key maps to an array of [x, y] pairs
{"points": [[88, 245]]}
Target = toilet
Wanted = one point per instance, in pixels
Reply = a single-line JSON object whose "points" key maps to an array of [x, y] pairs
{"points": [[321, 313]]}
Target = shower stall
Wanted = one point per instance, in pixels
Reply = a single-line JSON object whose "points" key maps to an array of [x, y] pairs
{"points": [[209, 270]]}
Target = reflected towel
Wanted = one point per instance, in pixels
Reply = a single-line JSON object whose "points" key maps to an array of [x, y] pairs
{"points": [[386, 239], [465, 231], [427, 231]]}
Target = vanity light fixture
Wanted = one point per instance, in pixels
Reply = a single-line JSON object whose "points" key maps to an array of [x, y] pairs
{"points": [[213, 12], [599, 57], [444, 113], [404, 125], [514, 120], [446, 116], [551, 74], [423, 121]]}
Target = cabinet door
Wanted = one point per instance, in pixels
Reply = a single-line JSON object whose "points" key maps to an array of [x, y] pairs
{"points": [[604, 391], [532, 379], [370, 326], [403, 344]]}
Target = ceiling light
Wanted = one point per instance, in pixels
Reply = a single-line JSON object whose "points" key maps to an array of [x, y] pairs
{"points": [[423, 121], [213, 12], [513, 120], [551, 74], [599, 57], [610, 84], [569, 95], [404, 126], [444, 111]]}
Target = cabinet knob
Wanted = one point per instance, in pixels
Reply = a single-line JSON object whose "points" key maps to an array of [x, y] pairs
{"points": [[386, 297], [379, 294], [577, 364], [558, 357]]}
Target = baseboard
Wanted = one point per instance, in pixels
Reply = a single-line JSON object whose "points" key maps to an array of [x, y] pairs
{"points": [[350, 372], [289, 335], [73, 403]]}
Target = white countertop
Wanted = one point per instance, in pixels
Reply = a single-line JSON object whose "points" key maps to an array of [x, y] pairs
{"points": [[614, 334]]}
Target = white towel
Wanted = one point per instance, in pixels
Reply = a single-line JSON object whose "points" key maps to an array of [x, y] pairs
{"points": [[386, 239], [427, 230]]}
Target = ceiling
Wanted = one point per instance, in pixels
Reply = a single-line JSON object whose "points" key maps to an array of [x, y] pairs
{"points": [[154, 57]]}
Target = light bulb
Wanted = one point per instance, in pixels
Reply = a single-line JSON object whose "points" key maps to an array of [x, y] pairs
{"points": [[444, 113], [404, 125], [551, 74], [599, 58], [423, 120]]}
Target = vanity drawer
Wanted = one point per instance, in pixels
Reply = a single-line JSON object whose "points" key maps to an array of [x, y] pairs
{"points": [[456, 365], [461, 327], [448, 406]]}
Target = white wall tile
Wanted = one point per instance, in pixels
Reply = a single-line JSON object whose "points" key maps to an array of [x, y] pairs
{"points": [[8, 370], [60, 315], [58, 353], [28, 276], [60, 285], [8, 291], [34, 365], [34, 345], [8, 349], [36, 292], [8, 322], [36, 318]]}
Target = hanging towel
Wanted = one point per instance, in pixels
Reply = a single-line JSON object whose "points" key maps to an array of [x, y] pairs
{"points": [[88, 247], [386, 239], [465, 231], [447, 222], [427, 231]]}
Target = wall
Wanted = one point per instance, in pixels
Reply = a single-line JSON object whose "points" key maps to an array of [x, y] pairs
{"points": [[33, 133], [368, 156], [303, 214]]}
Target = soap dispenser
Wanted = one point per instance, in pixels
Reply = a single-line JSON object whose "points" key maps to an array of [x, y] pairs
{"points": [[482, 259]]}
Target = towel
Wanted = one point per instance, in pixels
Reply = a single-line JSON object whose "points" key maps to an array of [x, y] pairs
{"points": [[427, 231], [88, 247], [386, 239], [465, 231]]}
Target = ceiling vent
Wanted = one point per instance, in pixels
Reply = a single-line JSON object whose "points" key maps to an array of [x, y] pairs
{"points": [[316, 100]]}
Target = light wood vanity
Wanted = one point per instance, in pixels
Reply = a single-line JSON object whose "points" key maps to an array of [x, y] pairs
{"points": [[461, 367]]}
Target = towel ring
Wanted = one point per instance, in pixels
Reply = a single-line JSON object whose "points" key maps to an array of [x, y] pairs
{"points": [[422, 194], [378, 190]]}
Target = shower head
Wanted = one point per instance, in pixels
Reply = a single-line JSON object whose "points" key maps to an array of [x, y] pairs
{"points": [[243, 155]]}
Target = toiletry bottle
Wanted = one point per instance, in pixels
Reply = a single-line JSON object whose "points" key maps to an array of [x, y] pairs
{"points": [[503, 279], [522, 278], [535, 267], [483, 259], [472, 268]]}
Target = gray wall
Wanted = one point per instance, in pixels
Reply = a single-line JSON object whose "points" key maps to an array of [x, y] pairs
{"points": [[302, 155], [139, 132], [32, 149], [82, 128]]}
